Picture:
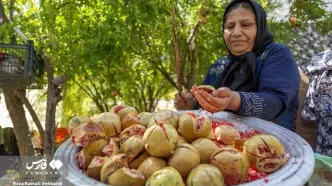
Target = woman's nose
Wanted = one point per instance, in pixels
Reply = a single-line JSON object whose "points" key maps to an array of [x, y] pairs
{"points": [[237, 30]]}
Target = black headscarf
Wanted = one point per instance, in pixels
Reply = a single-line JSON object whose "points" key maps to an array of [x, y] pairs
{"points": [[239, 73]]}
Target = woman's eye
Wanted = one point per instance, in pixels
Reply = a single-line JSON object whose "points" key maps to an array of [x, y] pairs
{"points": [[229, 26], [247, 25]]}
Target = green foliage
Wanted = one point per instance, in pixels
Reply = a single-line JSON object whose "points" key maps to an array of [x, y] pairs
{"points": [[127, 46]]}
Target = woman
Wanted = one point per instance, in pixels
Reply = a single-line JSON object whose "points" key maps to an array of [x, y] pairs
{"points": [[318, 102], [257, 78]]}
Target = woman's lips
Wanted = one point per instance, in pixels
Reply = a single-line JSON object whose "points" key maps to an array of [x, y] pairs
{"points": [[237, 42]]}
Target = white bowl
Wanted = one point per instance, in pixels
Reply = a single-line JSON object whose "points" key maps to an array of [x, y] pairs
{"points": [[296, 172]]}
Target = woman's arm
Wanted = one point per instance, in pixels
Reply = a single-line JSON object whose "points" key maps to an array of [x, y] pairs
{"points": [[278, 84]]}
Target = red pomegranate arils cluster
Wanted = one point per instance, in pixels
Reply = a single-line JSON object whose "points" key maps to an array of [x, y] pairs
{"points": [[80, 160], [200, 122], [87, 139], [118, 108], [248, 134], [108, 150], [139, 131], [216, 124], [255, 175], [219, 143]]}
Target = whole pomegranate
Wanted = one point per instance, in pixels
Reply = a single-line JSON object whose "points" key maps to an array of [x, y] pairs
{"points": [[160, 140]]}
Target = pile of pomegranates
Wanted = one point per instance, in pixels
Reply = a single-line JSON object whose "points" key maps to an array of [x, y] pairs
{"points": [[124, 147]]}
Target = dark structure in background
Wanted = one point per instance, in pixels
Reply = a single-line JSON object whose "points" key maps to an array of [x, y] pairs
{"points": [[19, 66]]}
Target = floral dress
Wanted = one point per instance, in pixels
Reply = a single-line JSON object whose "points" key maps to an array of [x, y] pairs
{"points": [[318, 102]]}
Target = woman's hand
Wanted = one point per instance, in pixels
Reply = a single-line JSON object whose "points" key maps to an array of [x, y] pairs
{"points": [[184, 102], [219, 100]]}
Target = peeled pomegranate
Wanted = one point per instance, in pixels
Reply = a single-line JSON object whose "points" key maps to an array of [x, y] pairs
{"points": [[132, 147], [226, 134], [126, 177], [144, 118], [111, 165], [95, 167], [110, 122], [265, 153], [77, 121], [111, 149], [164, 116], [205, 148], [167, 176], [129, 120], [85, 156], [232, 164], [205, 174], [85, 134], [123, 110], [151, 165], [160, 140], [193, 127], [185, 158], [135, 130]]}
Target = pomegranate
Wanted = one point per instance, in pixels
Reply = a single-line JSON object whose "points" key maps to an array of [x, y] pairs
{"points": [[265, 153], [193, 127], [160, 140], [167, 176], [111, 165], [135, 130], [134, 164], [232, 164], [85, 156], [85, 134], [123, 110], [205, 148], [144, 118], [111, 149], [77, 121], [164, 116], [95, 167], [226, 134], [132, 147], [180, 161], [205, 174], [125, 176], [129, 120], [110, 122], [151, 165], [207, 88]]}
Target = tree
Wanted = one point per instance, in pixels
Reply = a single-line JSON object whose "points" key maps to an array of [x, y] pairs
{"points": [[15, 107]]}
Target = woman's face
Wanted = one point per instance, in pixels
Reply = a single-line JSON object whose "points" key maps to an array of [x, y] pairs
{"points": [[240, 31]]}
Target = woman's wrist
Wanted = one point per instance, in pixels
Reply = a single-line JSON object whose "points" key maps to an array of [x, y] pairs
{"points": [[235, 102]]}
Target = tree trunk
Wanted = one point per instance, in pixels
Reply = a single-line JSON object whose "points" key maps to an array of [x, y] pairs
{"points": [[52, 100], [32, 113], [21, 128]]}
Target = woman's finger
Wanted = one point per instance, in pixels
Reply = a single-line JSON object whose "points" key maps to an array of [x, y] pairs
{"points": [[204, 103], [222, 92], [211, 99], [217, 102]]}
